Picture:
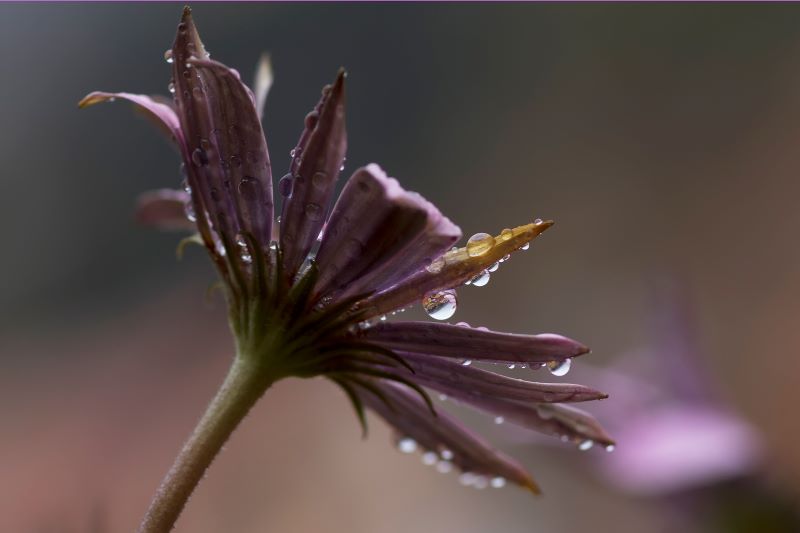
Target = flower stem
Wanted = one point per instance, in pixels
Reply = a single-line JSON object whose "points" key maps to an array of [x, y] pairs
{"points": [[245, 384]]}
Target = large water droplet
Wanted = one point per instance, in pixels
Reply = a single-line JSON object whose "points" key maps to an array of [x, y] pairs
{"points": [[440, 305], [313, 211], [479, 244], [407, 445], [481, 279], [559, 368], [585, 445], [285, 185]]}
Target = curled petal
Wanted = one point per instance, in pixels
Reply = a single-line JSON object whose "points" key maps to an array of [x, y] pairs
{"points": [[446, 340], [164, 209], [162, 114], [444, 435], [373, 221], [263, 83], [316, 165], [454, 379], [455, 268]]}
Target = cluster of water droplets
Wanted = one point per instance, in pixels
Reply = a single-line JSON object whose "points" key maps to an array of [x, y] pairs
{"points": [[442, 460], [244, 250]]}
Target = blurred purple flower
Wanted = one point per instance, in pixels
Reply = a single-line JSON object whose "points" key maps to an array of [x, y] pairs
{"points": [[309, 296]]}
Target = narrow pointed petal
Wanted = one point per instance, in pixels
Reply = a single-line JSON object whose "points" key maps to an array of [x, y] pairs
{"points": [[456, 268], [453, 378], [372, 224], [459, 342], [164, 209], [444, 435], [317, 162], [263, 83], [160, 113]]}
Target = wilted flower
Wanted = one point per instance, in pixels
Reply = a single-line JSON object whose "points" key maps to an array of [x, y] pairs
{"points": [[309, 296]]}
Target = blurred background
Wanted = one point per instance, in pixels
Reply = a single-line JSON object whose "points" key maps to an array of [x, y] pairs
{"points": [[662, 139]]}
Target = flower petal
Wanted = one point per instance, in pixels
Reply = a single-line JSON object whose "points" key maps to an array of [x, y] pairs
{"points": [[444, 435], [162, 114], [459, 342], [372, 224], [263, 83], [456, 268], [454, 378], [316, 165], [164, 209]]}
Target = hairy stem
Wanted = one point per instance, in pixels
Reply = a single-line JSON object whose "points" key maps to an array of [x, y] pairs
{"points": [[244, 385]]}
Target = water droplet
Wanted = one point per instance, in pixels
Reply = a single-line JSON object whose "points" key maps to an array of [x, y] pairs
{"points": [[407, 445], [538, 221], [246, 257], [189, 210], [444, 466], [168, 55], [273, 246], [498, 482], [436, 265], [481, 279], [171, 87], [559, 368], [313, 211], [506, 234], [199, 157], [440, 305], [466, 362], [512, 366], [197, 92], [610, 448], [466, 479], [445, 454], [429, 458], [186, 186], [383, 318], [462, 324], [285, 185], [443, 397], [479, 244], [525, 246], [499, 420], [585, 445], [236, 161], [494, 267], [319, 180], [480, 482]]}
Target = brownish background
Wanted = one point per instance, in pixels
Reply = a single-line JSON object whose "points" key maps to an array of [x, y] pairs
{"points": [[663, 139]]}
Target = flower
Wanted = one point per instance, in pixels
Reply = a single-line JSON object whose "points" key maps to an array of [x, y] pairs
{"points": [[308, 296]]}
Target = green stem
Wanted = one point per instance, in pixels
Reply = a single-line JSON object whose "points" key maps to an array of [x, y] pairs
{"points": [[245, 384]]}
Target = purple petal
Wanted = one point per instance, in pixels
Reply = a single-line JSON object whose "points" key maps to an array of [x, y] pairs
{"points": [[454, 379], [455, 268], [162, 114], [164, 209], [317, 161], [372, 224], [445, 436], [446, 340]]}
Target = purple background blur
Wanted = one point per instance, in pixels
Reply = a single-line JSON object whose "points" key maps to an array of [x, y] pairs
{"points": [[662, 139]]}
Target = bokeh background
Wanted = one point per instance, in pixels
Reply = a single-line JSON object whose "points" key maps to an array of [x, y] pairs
{"points": [[663, 139]]}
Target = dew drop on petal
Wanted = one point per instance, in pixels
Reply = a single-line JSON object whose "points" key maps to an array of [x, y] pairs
{"points": [[538, 221], [436, 265], [585, 445], [189, 210], [443, 397], [559, 368], [313, 211], [506, 234], [444, 466], [429, 458], [498, 482], [466, 362], [479, 244], [440, 305], [494, 267], [168, 55], [285, 185], [481, 279], [512, 366], [499, 420], [171, 88], [186, 187], [199, 157], [445, 454], [407, 445], [525, 246], [610, 448], [319, 180], [466, 479]]}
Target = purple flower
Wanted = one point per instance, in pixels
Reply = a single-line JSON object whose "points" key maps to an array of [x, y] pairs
{"points": [[309, 294]]}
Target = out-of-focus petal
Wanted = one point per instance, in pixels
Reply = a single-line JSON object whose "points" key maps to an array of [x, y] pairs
{"points": [[453, 269], [164, 209], [263, 83], [316, 165], [454, 378], [444, 435], [461, 342], [160, 113], [373, 221]]}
